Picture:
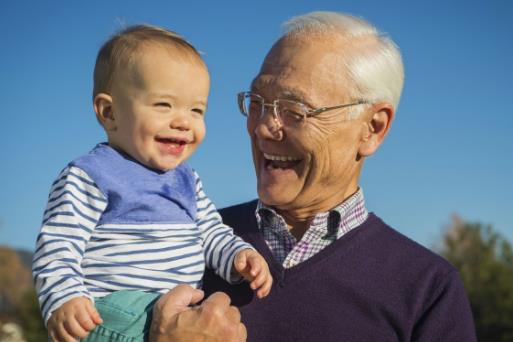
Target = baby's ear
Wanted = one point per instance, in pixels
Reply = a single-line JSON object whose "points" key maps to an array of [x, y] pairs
{"points": [[103, 107]]}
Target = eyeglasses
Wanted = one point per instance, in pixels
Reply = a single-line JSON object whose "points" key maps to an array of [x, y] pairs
{"points": [[286, 111]]}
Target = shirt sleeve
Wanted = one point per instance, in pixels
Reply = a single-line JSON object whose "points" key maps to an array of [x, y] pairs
{"points": [[449, 317], [220, 244], [74, 207]]}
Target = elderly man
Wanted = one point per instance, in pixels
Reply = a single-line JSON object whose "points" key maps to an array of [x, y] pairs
{"points": [[323, 101]]}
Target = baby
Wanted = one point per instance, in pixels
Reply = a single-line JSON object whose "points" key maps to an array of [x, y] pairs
{"points": [[128, 221]]}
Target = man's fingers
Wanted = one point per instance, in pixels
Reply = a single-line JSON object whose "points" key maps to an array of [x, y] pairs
{"points": [[243, 334], [178, 299], [233, 314], [213, 320], [218, 299], [197, 296], [185, 294]]}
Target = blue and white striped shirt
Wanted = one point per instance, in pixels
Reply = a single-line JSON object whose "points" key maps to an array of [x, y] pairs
{"points": [[121, 226]]}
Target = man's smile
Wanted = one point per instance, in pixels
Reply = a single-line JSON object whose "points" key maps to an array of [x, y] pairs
{"points": [[280, 161]]}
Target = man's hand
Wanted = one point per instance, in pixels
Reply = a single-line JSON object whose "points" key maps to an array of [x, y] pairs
{"points": [[214, 320], [253, 267], [73, 319]]}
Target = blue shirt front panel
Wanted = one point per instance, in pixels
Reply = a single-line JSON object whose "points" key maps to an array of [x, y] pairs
{"points": [[137, 194]]}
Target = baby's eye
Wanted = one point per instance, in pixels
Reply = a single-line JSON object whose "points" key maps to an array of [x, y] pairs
{"points": [[198, 110], [163, 104]]}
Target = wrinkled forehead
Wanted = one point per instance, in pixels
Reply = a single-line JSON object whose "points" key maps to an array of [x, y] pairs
{"points": [[312, 71], [306, 70]]}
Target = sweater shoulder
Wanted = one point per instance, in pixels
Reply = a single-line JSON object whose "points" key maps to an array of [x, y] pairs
{"points": [[390, 243], [241, 217]]}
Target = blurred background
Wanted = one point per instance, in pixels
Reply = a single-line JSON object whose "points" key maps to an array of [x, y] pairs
{"points": [[443, 176]]}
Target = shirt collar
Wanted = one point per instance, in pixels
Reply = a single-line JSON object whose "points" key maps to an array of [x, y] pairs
{"points": [[334, 223]]}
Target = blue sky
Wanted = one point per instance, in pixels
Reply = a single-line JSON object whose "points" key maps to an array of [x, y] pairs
{"points": [[449, 150]]}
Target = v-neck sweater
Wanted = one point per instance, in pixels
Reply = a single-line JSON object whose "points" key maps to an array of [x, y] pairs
{"points": [[372, 284]]}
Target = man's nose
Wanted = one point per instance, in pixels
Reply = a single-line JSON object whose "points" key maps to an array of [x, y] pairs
{"points": [[269, 126]]}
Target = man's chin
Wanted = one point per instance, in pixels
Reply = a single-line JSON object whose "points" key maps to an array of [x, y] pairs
{"points": [[275, 196]]}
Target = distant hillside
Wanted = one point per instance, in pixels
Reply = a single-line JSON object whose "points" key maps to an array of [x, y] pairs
{"points": [[15, 278], [25, 257], [18, 302]]}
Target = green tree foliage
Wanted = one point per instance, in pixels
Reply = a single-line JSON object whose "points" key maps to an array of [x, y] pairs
{"points": [[29, 318], [485, 262]]}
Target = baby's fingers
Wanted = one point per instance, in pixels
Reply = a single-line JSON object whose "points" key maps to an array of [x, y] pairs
{"points": [[74, 329], [259, 280], [264, 290], [55, 336], [86, 321], [60, 334], [255, 265], [93, 315], [240, 261]]}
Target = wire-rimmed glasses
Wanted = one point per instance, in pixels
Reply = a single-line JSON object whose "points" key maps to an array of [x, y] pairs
{"points": [[286, 112]]}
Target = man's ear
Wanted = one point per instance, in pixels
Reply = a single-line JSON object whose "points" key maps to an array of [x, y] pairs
{"points": [[376, 128], [103, 107]]}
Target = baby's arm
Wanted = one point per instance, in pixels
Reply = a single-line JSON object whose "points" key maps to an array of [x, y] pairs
{"points": [[253, 267], [220, 244], [74, 207], [73, 319]]}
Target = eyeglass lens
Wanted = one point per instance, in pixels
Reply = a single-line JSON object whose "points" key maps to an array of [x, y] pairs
{"points": [[289, 112]]}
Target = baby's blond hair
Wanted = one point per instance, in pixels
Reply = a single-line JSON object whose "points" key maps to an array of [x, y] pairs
{"points": [[120, 49]]}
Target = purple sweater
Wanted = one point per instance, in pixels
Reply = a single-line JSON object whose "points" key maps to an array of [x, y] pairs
{"points": [[372, 284]]}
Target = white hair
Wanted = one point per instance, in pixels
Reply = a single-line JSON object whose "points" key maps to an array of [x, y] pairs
{"points": [[376, 69]]}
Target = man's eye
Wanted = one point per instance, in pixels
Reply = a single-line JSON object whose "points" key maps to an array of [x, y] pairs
{"points": [[255, 104], [295, 115], [163, 104]]}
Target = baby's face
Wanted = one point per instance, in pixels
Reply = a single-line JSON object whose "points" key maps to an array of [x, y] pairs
{"points": [[158, 104]]}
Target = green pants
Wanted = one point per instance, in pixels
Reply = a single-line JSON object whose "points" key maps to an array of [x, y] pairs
{"points": [[126, 317]]}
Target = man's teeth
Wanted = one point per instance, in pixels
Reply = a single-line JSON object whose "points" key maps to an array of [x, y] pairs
{"points": [[280, 158]]}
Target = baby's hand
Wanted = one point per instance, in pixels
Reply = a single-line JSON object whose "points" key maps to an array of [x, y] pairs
{"points": [[252, 266], [73, 319]]}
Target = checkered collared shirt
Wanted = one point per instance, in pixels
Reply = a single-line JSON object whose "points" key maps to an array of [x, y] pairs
{"points": [[325, 228]]}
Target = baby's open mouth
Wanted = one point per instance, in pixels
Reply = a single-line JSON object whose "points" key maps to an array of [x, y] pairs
{"points": [[175, 141], [172, 145]]}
